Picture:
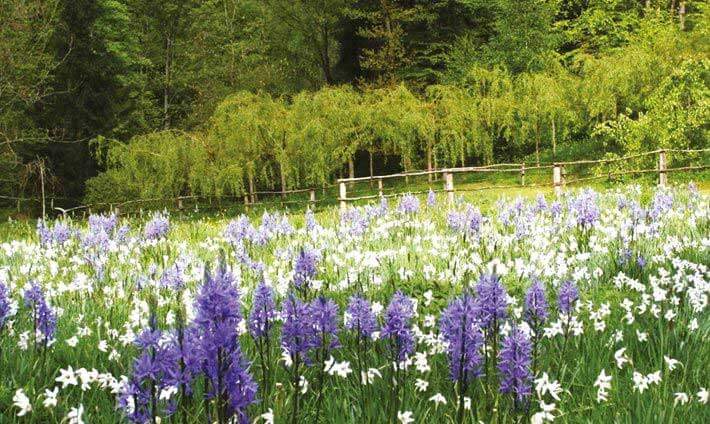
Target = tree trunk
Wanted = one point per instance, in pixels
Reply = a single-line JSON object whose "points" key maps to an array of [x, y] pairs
{"points": [[554, 140], [537, 144], [351, 169], [436, 166], [681, 15], [672, 10], [166, 88], [252, 194], [283, 180], [372, 172], [325, 58], [428, 162]]}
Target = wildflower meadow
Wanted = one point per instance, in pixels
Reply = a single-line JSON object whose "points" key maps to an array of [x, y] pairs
{"points": [[587, 307]]}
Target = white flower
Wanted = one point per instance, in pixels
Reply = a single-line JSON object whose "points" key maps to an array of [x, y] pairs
{"points": [[168, 392], [75, 415], [21, 401], [654, 378], [268, 417], [286, 358], [671, 363], [640, 382], [603, 383], [303, 384], [428, 296], [73, 341], [621, 357], [545, 415], [421, 385], [103, 346], [702, 395], [438, 399], [369, 376], [544, 385], [405, 417], [681, 398], [50, 397], [429, 321], [67, 377], [642, 336]]}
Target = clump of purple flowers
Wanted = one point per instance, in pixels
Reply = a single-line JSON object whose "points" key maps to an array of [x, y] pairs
{"points": [[43, 316], [431, 198], [585, 208], [536, 304], [468, 221], [662, 202], [324, 318], [297, 333], [567, 297], [305, 267], [360, 319], [408, 203], [58, 234], [514, 365], [396, 328], [5, 305], [263, 312], [157, 227], [354, 222], [492, 301], [239, 229], [222, 363], [460, 329]]}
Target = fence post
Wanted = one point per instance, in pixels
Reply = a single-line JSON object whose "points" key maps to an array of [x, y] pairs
{"points": [[662, 176], [557, 179], [312, 197], [343, 196], [379, 187], [179, 203], [522, 174], [449, 186]]}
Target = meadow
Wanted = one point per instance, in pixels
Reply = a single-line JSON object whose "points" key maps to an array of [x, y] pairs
{"points": [[590, 307]]}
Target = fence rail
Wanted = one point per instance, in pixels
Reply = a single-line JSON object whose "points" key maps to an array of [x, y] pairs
{"points": [[558, 181]]}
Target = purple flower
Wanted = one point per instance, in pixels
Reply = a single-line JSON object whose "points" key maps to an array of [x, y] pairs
{"points": [[172, 278], [58, 234], [44, 317], [431, 198], [468, 221], [157, 227], [540, 203], [306, 267], [263, 312], [514, 365], [324, 318], [397, 329], [662, 202], [408, 204], [311, 223], [641, 261], [536, 304], [567, 297], [239, 229], [492, 300], [297, 333], [556, 209], [460, 329], [105, 223], [218, 316], [354, 222], [585, 208], [361, 319], [5, 305]]}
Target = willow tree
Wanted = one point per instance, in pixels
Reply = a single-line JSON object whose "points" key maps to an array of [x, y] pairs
{"points": [[400, 120], [323, 124], [492, 94], [457, 128], [235, 148], [154, 165]]}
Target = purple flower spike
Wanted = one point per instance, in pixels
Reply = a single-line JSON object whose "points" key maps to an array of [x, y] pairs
{"points": [[514, 365], [492, 300], [45, 319], [361, 319], [324, 317], [297, 333], [263, 312], [398, 315], [536, 304], [567, 297], [460, 329], [306, 267], [157, 227]]}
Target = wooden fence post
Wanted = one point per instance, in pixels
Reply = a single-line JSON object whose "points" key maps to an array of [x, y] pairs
{"points": [[557, 179], [522, 174], [379, 187], [312, 197], [662, 176], [449, 186], [343, 196], [179, 203]]}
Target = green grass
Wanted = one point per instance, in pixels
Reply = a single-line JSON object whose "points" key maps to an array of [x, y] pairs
{"points": [[576, 367]]}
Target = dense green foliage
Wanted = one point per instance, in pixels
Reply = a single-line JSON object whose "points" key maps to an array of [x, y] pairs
{"points": [[284, 94]]}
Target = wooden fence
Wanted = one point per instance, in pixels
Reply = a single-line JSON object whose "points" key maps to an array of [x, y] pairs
{"points": [[559, 179]]}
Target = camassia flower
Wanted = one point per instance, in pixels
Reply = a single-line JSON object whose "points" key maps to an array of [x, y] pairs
{"points": [[514, 365], [263, 311], [536, 304], [460, 329], [397, 329], [567, 297], [360, 317], [43, 316], [492, 300]]}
